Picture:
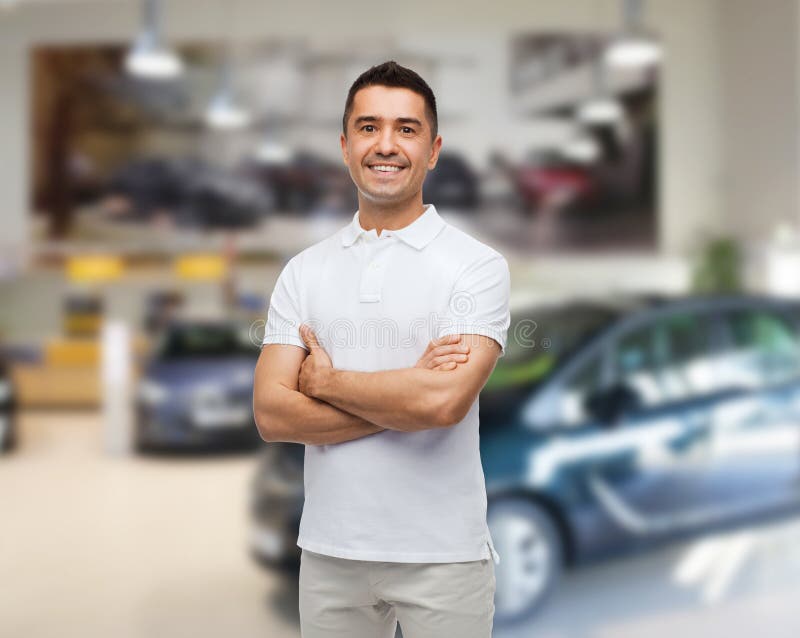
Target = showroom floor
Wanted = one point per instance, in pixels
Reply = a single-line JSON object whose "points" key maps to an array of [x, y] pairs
{"points": [[97, 545], [94, 545]]}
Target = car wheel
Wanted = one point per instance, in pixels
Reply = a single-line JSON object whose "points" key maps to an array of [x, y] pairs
{"points": [[8, 440], [140, 443], [531, 557]]}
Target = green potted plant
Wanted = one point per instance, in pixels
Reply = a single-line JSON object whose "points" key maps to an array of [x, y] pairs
{"points": [[718, 268]]}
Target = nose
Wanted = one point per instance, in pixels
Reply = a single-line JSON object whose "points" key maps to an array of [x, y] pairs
{"points": [[386, 144]]}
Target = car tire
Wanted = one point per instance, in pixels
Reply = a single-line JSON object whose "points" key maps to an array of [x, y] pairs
{"points": [[140, 443], [9, 442], [531, 551]]}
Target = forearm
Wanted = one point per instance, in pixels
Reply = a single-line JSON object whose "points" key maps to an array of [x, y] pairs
{"points": [[289, 415], [407, 399]]}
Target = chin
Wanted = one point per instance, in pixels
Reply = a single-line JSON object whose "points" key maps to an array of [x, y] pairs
{"points": [[383, 196]]}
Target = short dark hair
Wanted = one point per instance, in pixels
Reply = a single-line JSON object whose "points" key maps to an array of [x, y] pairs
{"points": [[393, 75]]}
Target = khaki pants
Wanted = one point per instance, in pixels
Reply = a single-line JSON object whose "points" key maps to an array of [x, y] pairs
{"points": [[365, 599]]}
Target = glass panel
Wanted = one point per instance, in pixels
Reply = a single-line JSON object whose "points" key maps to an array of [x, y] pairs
{"points": [[762, 349], [585, 380], [201, 341], [538, 340], [669, 360], [688, 361], [636, 365]]}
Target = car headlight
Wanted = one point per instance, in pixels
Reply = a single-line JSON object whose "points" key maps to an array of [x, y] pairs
{"points": [[152, 392]]}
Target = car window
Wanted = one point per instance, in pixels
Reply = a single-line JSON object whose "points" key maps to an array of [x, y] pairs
{"points": [[761, 348], [685, 355], [667, 360], [581, 383], [635, 364], [556, 331], [205, 341], [539, 340]]}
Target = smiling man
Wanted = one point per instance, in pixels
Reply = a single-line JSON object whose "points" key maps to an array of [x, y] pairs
{"points": [[378, 341]]}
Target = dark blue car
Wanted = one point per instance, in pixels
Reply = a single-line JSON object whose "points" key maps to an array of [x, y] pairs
{"points": [[196, 392], [610, 426]]}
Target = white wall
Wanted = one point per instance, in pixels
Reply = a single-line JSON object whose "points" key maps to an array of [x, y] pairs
{"points": [[14, 216], [760, 116], [691, 164]]}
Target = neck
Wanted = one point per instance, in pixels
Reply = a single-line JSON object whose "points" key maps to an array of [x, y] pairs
{"points": [[388, 216]]}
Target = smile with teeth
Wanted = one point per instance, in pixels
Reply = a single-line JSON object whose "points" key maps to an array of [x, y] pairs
{"points": [[386, 168]]}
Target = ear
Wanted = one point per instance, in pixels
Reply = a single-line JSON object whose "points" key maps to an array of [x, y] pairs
{"points": [[435, 148], [345, 154]]}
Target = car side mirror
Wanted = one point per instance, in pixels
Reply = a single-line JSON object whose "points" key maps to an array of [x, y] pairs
{"points": [[609, 404]]}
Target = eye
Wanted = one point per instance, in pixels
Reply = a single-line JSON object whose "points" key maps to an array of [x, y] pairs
{"points": [[407, 130], [368, 128]]}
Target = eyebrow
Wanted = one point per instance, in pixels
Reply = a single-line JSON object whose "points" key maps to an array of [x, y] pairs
{"points": [[361, 119]]}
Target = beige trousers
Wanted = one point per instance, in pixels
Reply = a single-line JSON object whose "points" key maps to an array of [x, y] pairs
{"points": [[341, 598]]}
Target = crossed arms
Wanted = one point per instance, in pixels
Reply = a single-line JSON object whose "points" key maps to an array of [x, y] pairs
{"points": [[300, 397]]}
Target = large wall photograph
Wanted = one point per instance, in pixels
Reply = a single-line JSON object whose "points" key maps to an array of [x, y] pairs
{"points": [[557, 155]]}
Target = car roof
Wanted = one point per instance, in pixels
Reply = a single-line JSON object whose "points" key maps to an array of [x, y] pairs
{"points": [[699, 301], [183, 324], [626, 304]]}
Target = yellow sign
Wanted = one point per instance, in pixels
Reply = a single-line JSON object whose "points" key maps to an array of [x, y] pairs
{"points": [[88, 268], [72, 352], [200, 266]]}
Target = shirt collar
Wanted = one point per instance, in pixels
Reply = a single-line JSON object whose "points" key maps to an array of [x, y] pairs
{"points": [[418, 233]]}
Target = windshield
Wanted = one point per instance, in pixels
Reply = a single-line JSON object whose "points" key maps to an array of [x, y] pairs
{"points": [[540, 339], [204, 341]]}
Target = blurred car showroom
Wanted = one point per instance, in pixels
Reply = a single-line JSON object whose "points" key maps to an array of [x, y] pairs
{"points": [[635, 161]]}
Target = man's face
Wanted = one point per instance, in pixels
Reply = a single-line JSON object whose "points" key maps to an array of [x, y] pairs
{"points": [[388, 147]]}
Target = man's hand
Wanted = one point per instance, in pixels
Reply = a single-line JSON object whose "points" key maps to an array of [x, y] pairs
{"points": [[316, 364], [441, 354], [410, 399], [444, 353]]}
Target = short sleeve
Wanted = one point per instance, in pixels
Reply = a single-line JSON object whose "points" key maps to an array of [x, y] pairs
{"points": [[283, 316], [479, 303]]}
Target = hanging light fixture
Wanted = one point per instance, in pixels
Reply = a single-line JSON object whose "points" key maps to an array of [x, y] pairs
{"points": [[271, 152], [582, 149], [224, 112], [600, 110], [148, 57], [635, 48], [602, 107]]}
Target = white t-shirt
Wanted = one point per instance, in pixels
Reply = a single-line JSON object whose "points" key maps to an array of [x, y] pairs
{"points": [[375, 302]]}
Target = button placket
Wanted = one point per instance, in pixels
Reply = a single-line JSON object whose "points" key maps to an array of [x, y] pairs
{"points": [[373, 273]]}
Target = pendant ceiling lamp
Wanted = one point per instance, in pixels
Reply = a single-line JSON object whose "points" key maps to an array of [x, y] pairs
{"points": [[582, 149], [224, 111], [148, 57], [601, 108], [634, 48], [270, 152]]}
